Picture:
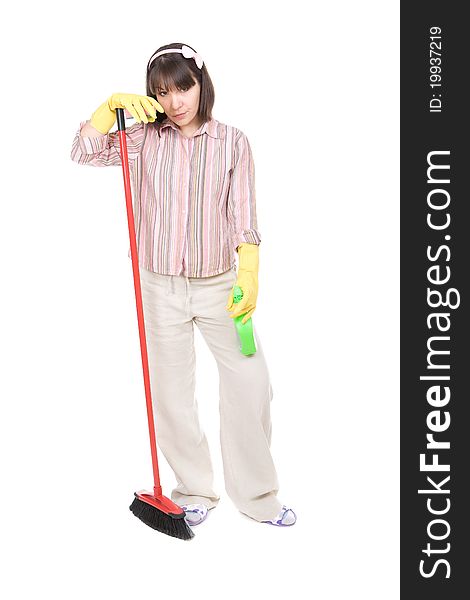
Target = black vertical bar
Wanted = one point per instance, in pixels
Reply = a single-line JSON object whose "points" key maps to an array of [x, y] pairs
{"points": [[435, 252], [121, 123]]}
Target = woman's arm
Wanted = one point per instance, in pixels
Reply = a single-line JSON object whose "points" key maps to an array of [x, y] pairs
{"points": [[89, 131], [90, 147], [244, 227], [242, 197]]}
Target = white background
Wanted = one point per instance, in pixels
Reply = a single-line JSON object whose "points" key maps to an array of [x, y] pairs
{"points": [[314, 86]]}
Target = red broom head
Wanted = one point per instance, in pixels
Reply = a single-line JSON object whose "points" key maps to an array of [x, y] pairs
{"points": [[160, 513]]}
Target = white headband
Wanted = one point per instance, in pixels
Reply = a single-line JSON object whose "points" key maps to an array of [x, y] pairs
{"points": [[185, 51]]}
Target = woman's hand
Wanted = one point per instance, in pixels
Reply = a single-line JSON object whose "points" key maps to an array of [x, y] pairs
{"points": [[138, 106], [142, 108], [247, 279]]}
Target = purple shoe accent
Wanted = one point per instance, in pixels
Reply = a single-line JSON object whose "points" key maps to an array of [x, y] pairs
{"points": [[277, 521], [195, 509]]}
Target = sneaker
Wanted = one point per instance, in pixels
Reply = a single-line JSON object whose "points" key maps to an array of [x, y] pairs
{"points": [[195, 513], [285, 518]]}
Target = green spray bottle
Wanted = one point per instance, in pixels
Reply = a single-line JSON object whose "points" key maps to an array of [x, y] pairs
{"points": [[244, 330]]}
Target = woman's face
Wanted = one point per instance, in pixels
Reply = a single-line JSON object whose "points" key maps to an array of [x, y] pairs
{"points": [[181, 106]]}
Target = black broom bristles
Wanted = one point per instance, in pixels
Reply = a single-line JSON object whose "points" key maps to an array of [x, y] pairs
{"points": [[174, 525]]}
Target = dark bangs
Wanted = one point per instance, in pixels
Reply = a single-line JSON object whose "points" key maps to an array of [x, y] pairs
{"points": [[170, 75], [173, 71]]}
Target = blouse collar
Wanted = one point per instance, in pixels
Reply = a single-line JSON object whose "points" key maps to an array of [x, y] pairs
{"points": [[210, 127]]}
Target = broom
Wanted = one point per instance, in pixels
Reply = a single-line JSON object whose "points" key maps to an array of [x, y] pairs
{"points": [[153, 509]]}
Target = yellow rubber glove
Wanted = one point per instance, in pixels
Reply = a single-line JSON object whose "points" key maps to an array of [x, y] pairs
{"points": [[247, 279], [142, 108]]}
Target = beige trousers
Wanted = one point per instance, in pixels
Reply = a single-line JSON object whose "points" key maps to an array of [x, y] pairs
{"points": [[172, 304]]}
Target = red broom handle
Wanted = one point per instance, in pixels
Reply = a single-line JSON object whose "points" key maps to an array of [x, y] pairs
{"points": [[138, 296]]}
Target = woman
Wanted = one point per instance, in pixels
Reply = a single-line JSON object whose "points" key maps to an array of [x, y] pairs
{"points": [[194, 206]]}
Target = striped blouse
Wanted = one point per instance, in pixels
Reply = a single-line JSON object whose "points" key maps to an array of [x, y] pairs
{"points": [[193, 198]]}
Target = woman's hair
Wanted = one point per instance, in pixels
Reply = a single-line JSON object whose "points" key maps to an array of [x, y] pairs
{"points": [[173, 71]]}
